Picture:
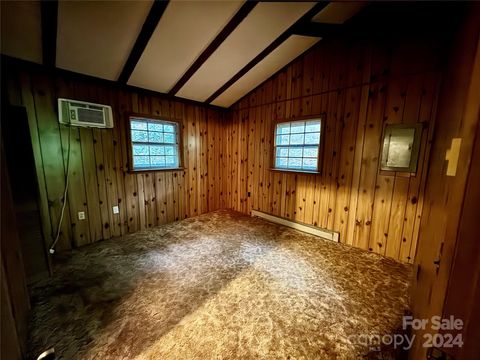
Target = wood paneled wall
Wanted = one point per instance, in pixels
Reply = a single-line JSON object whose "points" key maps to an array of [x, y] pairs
{"points": [[98, 164], [445, 264], [356, 85], [14, 299]]}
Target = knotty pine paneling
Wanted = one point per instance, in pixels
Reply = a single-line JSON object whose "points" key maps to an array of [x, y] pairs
{"points": [[356, 86], [446, 208], [99, 178], [355, 83]]}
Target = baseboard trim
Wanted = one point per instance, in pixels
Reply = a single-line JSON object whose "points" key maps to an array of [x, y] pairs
{"points": [[313, 230]]}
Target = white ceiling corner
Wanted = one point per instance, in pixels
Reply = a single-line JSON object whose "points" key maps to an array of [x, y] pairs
{"points": [[260, 28], [185, 30], [96, 38], [293, 47]]}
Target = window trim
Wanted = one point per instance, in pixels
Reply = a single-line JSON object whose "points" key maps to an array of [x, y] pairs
{"points": [[321, 153], [129, 144]]}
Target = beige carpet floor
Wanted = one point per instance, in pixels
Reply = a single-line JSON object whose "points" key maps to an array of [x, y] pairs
{"points": [[219, 286]]}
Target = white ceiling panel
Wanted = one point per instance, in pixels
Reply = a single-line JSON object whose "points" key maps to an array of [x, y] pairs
{"points": [[22, 30], [281, 56], [258, 30], [338, 12], [185, 30], [96, 37]]}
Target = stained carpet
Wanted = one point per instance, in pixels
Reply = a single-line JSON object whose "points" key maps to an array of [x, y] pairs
{"points": [[218, 286]]}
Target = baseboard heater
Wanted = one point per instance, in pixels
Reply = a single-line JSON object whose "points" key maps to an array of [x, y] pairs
{"points": [[323, 233]]}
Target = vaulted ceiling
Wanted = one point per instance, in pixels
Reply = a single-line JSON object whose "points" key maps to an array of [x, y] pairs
{"points": [[206, 51]]}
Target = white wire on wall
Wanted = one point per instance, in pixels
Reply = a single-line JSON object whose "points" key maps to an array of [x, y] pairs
{"points": [[57, 236]]}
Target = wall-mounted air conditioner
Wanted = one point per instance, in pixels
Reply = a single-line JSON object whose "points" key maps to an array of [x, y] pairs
{"points": [[81, 113]]}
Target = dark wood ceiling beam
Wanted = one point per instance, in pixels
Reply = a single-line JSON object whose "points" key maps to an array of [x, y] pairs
{"points": [[279, 40], [149, 26], [49, 15], [9, 62], [241, 14]]}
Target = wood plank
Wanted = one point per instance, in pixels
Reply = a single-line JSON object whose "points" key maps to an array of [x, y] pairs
{"points": [[51, 149], [300, 198], [118, 134], [28, 102], [232, 163], [334, 181], [221, 131], [93, 160], [192, 161], [77, 198], [169, 198], [370, 153], [381, 213], [292, 195], [243, 171], [317, 192], [211, 149], [182, 211], [262, 191], [417, 183], [328, 128], [307, 83], [202, 184], [357, 162], [203, 160], [237, 177], [218, 160], [249, 116], [414, 99], [283, 195], [395, 226], [309, 196], [91, 185], [267, 156], [130, 180], [15, 300], [346, 160]]}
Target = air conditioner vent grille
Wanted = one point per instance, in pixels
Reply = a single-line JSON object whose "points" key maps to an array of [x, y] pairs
{"points": [[90, 116]]}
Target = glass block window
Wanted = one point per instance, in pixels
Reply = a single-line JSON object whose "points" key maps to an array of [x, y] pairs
{"points": [[297, 145], [154, 144]]}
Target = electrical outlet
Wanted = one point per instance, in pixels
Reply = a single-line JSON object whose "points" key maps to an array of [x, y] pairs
{"points": [[81, 215], [115, 210]]}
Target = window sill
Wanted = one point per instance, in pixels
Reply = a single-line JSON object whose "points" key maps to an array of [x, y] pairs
{"points": [[139, 171], [296, 171]]}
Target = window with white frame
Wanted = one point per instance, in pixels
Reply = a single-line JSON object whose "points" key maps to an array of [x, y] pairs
{"points": [[297, 145], [154, 144]]}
